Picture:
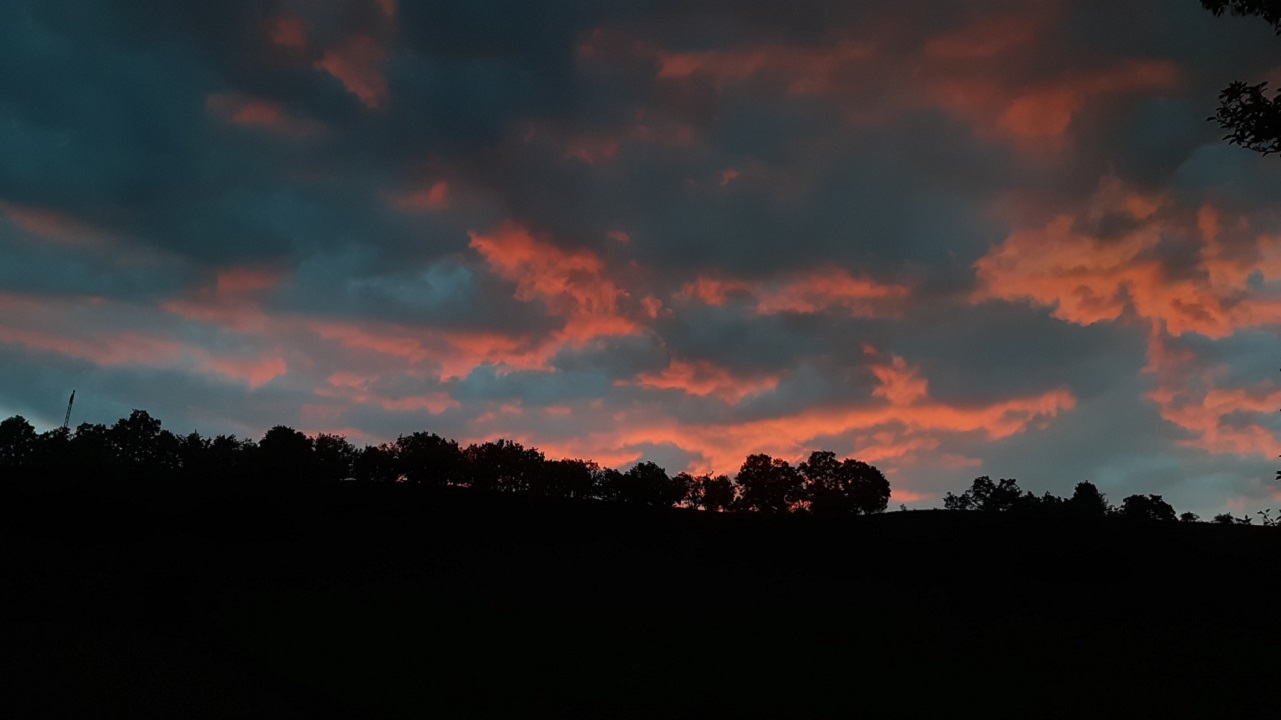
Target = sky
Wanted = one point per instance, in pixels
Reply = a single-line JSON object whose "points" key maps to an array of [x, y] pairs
{"points": [[950, 239]]}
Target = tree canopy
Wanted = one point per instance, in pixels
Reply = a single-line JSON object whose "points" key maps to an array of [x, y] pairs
{"points": [[1251, 118]]}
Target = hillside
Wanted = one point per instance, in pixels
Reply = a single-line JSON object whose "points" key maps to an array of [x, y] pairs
{"points": [[393, 601]]}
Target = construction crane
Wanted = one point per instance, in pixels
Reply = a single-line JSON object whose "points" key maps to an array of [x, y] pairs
{"points": [[66, 421]]}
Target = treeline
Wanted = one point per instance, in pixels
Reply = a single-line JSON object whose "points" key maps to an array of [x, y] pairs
{"points": [[1005, 495], [137, 450]]}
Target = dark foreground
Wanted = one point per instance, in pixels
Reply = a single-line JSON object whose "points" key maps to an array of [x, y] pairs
{"points": [[365, 601]]}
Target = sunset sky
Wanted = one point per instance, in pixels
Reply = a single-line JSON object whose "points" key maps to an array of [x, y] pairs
{"points": [[948, 238]]}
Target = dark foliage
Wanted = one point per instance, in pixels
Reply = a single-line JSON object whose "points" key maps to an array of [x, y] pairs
{"points": [[988, 496], [1269, 10], [1147, 508], [769, 485], [1251, 118], [137, 451], [843, 487]]}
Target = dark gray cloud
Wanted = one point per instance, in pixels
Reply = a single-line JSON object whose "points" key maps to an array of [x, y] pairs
{"points": [[648, 229]]}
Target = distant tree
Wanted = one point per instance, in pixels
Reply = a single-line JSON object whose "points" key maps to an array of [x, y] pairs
{"points": [[285, 456], [714, 494], [843, 487], [429, 459], [768, 485], [193, 458], [142, 448], [53, 455], [334, 457], [91, 455], [1087, 501], [231, 458], [1268, 10], [1048, 503], [18, 446], [1147, 508], [648, 484], [502, 465], [1252, 119], [571, 478], [964, 501], [988, 496], [376, 464], [1189, 517], [1224, 519], [609, 483]]}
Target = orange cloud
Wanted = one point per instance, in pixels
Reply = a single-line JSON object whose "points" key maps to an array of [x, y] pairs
{"points": [[702, 378], [287, 31], [977, 71], [1088, 279], [234, 302], [989, 36], [896, 434], [50, 225], [249, 111], [899, 384], [112, 348], [592, 149], [1221, 421], [360, 389], [453, 353], [902, 495], [358, 65], [803, 70], [572, 284], [433, 198], [805, 293], [1047, 111]]}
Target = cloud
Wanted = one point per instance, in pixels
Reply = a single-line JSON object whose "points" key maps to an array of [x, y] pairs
{"points": [[805, 293], [357, 64], [986, 237], [252, 112]]}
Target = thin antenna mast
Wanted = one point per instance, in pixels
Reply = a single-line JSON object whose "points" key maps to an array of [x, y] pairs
{"points": [[66, 421]]}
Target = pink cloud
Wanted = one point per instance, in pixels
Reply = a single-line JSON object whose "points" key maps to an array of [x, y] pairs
{"points": [[59, 228], [246, 111], [436, 197], [572, 284], [287, 31], [702, 378], [358, 65], [805, 293]]}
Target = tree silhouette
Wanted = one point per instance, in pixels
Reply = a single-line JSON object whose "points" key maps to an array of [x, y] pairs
{"points": [[571, 479], [142, 448], [1087, 501], [768, 485], [843, 487], [376, 464], [334, 457], [1147, 508], [988, 496], [18, 446], [137, 448], [429, 459], [502, 465], [285, 456], [1252, 119], [714, 494], [647, 484]]}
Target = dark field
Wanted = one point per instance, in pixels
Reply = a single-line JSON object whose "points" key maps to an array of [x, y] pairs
{"points": [[392, 601]]}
